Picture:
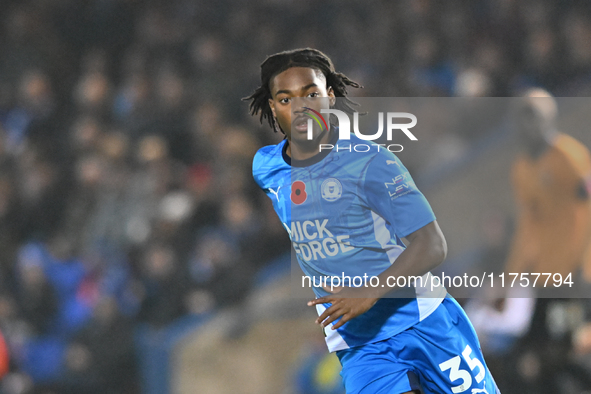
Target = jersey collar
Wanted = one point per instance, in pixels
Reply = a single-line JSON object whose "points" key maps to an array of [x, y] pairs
{"points": [[314, 159]]}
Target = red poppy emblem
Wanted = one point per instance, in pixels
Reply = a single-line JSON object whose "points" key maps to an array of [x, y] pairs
{"points": [[298, 192]]}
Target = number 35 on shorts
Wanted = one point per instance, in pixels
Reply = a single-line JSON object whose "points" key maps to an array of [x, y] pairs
{"points": [[455, 373]]}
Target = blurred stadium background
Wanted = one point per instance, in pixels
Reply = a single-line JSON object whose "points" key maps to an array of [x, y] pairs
{"points": [[137, 255]]}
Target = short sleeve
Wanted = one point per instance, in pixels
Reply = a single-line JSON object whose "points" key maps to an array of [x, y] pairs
{"points": [[391, 193], [256, 168]]}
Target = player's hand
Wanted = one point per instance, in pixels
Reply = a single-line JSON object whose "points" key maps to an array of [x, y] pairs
{"points": [[347, 304]]}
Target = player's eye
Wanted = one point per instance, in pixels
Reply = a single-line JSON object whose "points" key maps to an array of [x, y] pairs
{"points": [[314, 94], [284, 100]]}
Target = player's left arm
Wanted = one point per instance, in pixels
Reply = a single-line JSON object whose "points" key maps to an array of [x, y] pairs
{"points": [[426, 250], [391, 193]]}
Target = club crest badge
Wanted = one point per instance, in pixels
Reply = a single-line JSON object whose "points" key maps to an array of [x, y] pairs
{"points": [[331, 189]]}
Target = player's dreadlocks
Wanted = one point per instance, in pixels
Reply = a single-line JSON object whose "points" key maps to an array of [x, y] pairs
{"points": [[306, 57]]}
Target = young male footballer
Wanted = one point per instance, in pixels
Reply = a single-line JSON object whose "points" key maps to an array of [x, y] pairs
{"points": [[346, 214]]}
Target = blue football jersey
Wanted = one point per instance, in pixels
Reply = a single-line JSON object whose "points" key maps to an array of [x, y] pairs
{"points": [[346, 210]]}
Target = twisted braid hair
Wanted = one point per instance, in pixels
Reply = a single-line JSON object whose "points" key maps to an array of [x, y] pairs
{"points": [[305, 57]]}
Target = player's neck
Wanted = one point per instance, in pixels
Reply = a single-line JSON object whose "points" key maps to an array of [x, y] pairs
{"points": [[303, 151]]}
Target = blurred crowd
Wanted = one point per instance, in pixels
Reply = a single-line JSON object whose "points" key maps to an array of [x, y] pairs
{"points": [[125, 150]]}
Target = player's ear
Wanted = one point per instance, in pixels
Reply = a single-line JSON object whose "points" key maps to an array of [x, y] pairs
{"points": [[333, 99], [272, 106]]}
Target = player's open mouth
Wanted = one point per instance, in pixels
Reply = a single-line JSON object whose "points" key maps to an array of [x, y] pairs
{"points": [[300, 124]]}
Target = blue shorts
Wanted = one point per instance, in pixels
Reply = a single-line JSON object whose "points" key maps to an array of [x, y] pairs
{"points": [[441, 354]]}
